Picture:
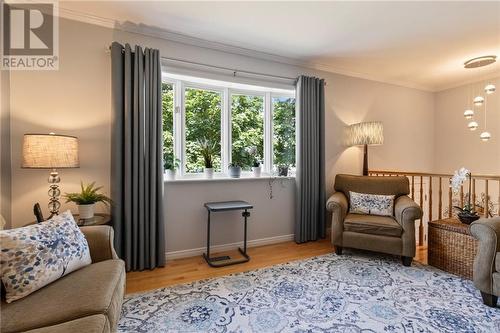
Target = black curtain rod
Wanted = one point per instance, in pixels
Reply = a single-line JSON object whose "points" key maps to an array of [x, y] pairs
{"points": [[234, 71]]}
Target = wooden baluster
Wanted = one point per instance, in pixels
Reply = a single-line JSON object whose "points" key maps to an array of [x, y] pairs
{"points": [[440, 203], [450, 201], [412, 187], [486, 208], [473, 194], [462, 196], [430, 198], [421, 227]]}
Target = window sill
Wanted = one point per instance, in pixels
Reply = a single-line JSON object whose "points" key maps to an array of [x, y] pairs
{"points": [[243, 178]]}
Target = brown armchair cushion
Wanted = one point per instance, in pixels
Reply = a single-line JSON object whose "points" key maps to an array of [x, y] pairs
{"points": [[373, 225], [396, 186]]}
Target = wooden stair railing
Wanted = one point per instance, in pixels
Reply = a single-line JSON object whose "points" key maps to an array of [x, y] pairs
{"points": [[484, 204]]}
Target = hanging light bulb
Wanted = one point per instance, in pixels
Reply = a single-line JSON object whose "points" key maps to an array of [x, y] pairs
{"points": [[485, 136], [478, 100], [472, 125], [468, 114], [490, 89]]}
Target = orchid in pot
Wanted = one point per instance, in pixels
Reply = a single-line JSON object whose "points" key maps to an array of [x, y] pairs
{"points": [[86, 199], [256, 165], [466, 213], [207, 150]]}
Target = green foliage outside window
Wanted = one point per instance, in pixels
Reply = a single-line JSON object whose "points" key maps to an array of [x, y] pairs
{"points": [[203, 122], [167, 103], [284, 131], [203, 111], [247, 116]]}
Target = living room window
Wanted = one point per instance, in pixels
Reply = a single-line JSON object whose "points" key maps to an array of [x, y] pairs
{"points": [[235, 119]]}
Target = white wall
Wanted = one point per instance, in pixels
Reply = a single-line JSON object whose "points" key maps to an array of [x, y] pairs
{"points": [[455, 145], [76, 100]]}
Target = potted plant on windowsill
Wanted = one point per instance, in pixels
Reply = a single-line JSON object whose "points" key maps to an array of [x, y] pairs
{"points": [[466, 213], [86, 199], [256, 166], [170, 165], [207, 150]]}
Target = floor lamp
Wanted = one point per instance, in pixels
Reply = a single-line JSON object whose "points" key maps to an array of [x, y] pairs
{"points": [[364, 134], [51, 151]]}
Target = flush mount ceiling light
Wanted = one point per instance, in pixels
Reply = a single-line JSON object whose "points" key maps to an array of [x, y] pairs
{"points": [[487, 88], [468, 114], [473, 125], [480, 61]]}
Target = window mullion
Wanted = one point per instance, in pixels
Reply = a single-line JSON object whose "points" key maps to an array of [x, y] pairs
{"points": [[268, 133]]}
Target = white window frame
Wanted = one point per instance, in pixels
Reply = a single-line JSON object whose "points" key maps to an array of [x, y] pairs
{"points": [[226, 89]]}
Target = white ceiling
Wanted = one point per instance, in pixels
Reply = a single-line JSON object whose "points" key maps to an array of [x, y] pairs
{"points": [[419, 44]]}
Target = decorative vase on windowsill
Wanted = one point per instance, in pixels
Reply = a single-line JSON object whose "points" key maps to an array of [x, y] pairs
{"points": [[234, 170], [86, 199], [466, 214]]}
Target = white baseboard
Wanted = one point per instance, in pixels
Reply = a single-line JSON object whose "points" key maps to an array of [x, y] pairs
{"points": [[227, 247]]}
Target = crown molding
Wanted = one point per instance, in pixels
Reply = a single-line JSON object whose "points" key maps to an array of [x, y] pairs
{"points": [[491, 76], [222, 47]]}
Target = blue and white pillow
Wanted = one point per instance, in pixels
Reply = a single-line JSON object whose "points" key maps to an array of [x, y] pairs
{"points": [[31, 257], [373, 204]]}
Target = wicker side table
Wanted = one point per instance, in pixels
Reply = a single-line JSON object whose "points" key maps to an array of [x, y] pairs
{"points": [[451, 247]]}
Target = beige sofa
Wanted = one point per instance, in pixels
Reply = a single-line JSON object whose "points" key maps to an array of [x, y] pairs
{"points": [[88, 300], [486, 271], [387, 234]]}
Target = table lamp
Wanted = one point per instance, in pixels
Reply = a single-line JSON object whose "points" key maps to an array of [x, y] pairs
{"points": [[368, 133], [51, 151]]}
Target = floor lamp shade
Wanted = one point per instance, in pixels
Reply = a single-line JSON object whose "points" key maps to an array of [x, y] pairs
{"points": [[368, 133], [50, 151]]}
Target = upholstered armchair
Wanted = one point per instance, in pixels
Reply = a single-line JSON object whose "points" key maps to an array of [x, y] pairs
{"points": [[486, 271], [387, 234]]}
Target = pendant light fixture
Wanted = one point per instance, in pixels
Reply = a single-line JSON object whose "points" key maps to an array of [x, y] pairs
{"points": [[473, 125], [479, 100]]}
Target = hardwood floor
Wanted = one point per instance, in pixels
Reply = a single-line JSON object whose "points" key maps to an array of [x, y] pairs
{"points": [[195, 268]]}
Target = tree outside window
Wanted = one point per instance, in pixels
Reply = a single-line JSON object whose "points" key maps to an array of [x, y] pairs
{"points": [[247, 129], [203, 122], [284, 131], [167, 103]]}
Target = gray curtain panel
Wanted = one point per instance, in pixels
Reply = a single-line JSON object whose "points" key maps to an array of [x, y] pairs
{"points": [[310, 177], [136, 161]]}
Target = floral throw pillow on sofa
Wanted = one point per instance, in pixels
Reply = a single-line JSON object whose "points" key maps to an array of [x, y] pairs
{"points": [[31, 257], [373, 204]]}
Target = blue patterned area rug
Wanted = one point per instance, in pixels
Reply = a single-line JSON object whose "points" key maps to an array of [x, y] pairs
{"points": [[355, 292]]}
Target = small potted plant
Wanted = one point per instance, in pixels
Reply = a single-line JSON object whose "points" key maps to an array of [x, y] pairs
{"points": [[170, 164], [207, 150], [235, 165], [86, 199], [466, 214], [256, 167], [283, 170]]}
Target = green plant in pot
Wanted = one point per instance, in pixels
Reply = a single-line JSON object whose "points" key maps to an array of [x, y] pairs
{"points": [[86, 199], [466, 214], [207, 150], [256, 166], [235, 165], [170, 164]]}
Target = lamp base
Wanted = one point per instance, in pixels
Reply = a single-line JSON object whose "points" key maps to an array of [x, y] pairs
{"points": [[365, 160], [54, 193]]}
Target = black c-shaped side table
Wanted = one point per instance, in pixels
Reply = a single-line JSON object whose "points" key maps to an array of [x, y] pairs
{"points": [[222, 207]]}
